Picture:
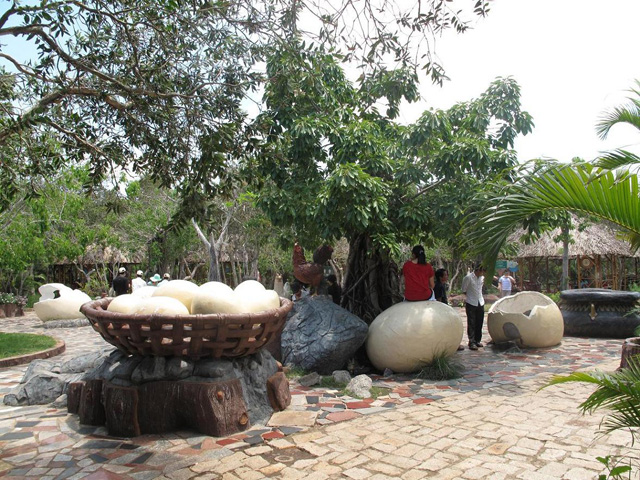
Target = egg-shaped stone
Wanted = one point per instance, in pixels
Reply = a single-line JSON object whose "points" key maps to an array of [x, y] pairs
{"points": [[161, 306], [182, 290], [144, 292], [530, 319], [126, 303], [207, 301], [409, 335]]}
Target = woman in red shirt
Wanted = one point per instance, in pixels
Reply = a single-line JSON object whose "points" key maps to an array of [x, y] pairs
{"points": [[419, 277]]}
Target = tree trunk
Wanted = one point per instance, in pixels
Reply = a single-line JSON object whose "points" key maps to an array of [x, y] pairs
{"points": [[371, 280], [565, 257]]}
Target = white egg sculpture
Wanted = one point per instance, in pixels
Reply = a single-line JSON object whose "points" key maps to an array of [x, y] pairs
{"points": [[215, 287], [144, 292], [210, 300], [182, 290], [409, 335], [127, 303], [530, 319], [160, 306], [65, 307]]}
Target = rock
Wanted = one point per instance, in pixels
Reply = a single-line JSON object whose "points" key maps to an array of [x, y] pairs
{"points": [[149, 369], [309, 380], [61, 401], [82, 363], [387, 372], [321, 336], [341, 376], [360, 386], [278, 391], [42, 388], [179, 368], [77, 322], [11, 399]]}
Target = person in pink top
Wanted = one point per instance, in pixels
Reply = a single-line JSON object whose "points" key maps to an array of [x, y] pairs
{"points": [[419, 277]]}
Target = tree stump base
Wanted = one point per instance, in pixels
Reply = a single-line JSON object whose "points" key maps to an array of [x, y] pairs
{"points": [[630, 348], [211, 408]]}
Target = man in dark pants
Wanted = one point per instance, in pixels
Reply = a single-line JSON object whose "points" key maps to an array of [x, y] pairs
{"points": [[474, 305], [121, 282]]}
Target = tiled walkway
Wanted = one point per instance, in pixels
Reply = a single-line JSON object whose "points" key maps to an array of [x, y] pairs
{"points": [[492, 423]]}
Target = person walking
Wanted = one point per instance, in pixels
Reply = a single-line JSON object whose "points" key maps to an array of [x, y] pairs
{"points": [[166, 278], [474, 305], [419, 278], [120, 284], [138, 282]]}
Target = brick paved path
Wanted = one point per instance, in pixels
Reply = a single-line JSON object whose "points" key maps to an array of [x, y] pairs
{"points": [[493, 423]]}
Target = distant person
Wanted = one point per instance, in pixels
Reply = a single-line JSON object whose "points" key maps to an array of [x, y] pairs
{"points": [[120, 284], [419, 278], [138, 282], [335, 290], [474, 305], [505, 284], [440, 288], [153, 281], [166, 278]]}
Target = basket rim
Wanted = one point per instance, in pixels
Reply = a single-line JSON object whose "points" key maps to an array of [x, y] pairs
{"points": [[96, 310]]}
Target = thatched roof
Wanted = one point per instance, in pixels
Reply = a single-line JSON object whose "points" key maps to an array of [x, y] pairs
{"points": [[595, 239]]}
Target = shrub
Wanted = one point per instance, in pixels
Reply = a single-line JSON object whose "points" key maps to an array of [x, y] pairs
{"points": [[442, 367]]}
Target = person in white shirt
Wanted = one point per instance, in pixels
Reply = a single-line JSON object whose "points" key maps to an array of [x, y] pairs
{"points": [[474, 305], [166, 278], [505, 284], [138, 282]]}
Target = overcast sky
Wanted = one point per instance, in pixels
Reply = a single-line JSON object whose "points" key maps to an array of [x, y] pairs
{"points": [[573, 59]]}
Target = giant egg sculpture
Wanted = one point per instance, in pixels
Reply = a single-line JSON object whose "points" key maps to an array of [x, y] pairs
{"points": [[408, 335], [59, 302], [530, 319]]}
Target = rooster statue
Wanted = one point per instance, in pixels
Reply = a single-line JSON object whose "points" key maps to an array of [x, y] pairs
{"points": [[310, 273]]}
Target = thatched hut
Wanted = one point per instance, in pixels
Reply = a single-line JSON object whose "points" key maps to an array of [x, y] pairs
{"points": [[598, 258]]}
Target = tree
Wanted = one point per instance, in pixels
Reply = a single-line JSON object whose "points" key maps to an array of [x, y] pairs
{"points": [[332, 165], [606, 190], [154, 88]]}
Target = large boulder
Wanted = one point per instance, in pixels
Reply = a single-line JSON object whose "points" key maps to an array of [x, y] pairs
{"points": [[321, 336], [409, 335], [530, 319]]}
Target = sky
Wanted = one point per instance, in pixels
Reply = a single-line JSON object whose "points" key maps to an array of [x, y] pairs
{"points": [[573, 59]]}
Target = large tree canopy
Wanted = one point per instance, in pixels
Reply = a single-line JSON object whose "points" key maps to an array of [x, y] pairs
{"points": [[331, 164], [155, 87]]}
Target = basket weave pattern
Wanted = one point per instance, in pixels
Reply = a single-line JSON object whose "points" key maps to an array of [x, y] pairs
{"points": [[191, 336]]}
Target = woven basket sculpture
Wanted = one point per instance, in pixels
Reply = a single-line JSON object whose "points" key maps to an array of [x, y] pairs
{"points": [[190, 336]]}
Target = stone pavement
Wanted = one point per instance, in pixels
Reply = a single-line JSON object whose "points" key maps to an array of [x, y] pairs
{"points": [[492, 423]]}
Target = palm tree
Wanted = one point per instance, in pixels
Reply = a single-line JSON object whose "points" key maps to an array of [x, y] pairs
{"points": [[606, 189]]}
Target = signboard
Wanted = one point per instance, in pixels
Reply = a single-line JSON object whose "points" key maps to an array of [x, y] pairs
{"points": [[501, 264]]}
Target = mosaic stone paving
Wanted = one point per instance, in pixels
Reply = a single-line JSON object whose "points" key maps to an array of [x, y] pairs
{"points": [[43, 442]]}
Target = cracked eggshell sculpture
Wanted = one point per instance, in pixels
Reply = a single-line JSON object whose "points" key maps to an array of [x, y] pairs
{"points": [[65, 307], [408, 335], [530, 319]]}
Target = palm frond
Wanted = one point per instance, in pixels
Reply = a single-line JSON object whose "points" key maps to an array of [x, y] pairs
{"points": [[618, 392], [629, 114], [617, 159], [576, 188]]}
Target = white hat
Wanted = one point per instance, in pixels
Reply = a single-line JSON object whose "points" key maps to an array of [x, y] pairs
{"points": [[166, 275], [139, 273], [122, 270]]}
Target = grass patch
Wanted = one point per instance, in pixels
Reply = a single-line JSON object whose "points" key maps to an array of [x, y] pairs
{"points": [[12, 344], [294, 372], [442, 367], [379, 392], [330, 382]]}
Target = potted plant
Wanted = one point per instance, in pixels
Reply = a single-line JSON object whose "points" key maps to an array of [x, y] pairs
{"points": [[11, 305]]}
